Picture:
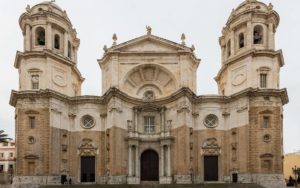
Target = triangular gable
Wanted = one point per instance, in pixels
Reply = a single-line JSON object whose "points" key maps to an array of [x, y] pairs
{"points": [[149, 43]]}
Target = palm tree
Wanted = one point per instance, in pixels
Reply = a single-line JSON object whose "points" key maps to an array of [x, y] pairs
{"points": [[3, 137]]}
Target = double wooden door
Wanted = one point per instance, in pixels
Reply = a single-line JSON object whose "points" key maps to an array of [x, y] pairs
{"points": [[149, 166], [211, 168]]}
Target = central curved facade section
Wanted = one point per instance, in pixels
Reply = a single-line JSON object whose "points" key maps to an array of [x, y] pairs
{"points": [[149, 81]]}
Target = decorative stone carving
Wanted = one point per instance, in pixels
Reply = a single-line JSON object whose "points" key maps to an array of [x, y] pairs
{"points": [[115, 106], [59, 77], [149, 30], [149, 95], [210, 147], [241, 109], [239, 76], [129, 126], [28, 8], [183, 107], [183, 39], [115, 38], [87, 148]]}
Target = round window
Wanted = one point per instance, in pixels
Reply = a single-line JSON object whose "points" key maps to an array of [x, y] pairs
{"points": [[31, 140], [87, 122], [211, 121], [267, 138]]}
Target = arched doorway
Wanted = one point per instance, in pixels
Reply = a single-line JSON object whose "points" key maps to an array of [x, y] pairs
{"points": [[149, 166]]}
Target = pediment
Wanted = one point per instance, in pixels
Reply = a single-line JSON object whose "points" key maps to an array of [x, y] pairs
{"points": [[149, 43]]}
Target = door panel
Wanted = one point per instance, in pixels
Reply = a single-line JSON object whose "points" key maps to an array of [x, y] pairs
{"points": [[149, 166], [88, 169], [211, 168]]}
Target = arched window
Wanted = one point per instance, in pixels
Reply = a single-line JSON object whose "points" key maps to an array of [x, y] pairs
{"points": [[40, 36], [35, 82], [69, 49], [228, 48], [56, 41], [241, 40], [258, 34]]}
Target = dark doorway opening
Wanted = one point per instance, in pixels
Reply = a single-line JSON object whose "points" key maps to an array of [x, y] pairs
{"points": [[87, 169], [234, 177], [63, 179], [211, 168], [149, 166]]}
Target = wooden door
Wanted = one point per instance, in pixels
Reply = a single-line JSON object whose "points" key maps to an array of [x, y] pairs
{"points": [[88, 169], [149, 166], [211, 168]]}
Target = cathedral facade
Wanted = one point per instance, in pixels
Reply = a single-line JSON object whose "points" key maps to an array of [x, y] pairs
{"points": [[149, 124]]}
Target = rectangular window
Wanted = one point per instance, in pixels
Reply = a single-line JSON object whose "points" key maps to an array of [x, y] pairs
{"points": [[10, 167], [1, 168], [5, 144], [1, 155], [149, 124], [263, 80], [35, 81], [11, 154], [266, 122], [32, 122]]}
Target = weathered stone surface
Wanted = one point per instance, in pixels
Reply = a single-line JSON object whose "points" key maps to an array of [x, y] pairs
{"points": [[149, 102]]}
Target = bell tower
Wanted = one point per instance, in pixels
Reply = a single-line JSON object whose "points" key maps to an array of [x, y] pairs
{"points": [[249, 58], [49, 60]]}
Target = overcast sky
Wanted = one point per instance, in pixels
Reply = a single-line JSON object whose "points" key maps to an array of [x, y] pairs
{"points": [[200, 20]]}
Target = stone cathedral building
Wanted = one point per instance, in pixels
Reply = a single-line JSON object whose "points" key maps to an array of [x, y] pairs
{"points": [[149, 124]]}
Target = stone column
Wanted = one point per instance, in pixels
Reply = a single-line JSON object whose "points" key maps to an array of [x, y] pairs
{"points": [[66, 44], [75, 54], [163, 129], [169, 160], [129, 160], [114, 70], [27, 38], [249, 35], [271, 42], [135, 120], [232, 44], [49, 36], [137, 162], [223, 49], [162, 158]]}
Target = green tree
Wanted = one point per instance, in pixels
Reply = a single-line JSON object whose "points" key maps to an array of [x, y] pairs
{"points": [[3, 137]]}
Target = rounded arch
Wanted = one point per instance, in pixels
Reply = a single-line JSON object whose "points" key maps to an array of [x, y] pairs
{"points": [[241, 40], [149, 77], [40, 36], [57, 41], [258, 34]]}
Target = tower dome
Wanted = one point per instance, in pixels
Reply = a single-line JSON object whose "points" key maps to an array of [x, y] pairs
{"points": [[47, 26], [50, 48], [251, 25], [248, 49]]}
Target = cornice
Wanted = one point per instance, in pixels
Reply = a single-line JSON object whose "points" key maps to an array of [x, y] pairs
{"points": [[253, 53], [46, 53], [116, 50], [182, 92]]}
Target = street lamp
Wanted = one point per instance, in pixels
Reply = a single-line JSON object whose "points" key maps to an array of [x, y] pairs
{"points": [[296, 171]]}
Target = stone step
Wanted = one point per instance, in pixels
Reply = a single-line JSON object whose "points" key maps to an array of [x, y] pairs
{"points": [[203, 185]]}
